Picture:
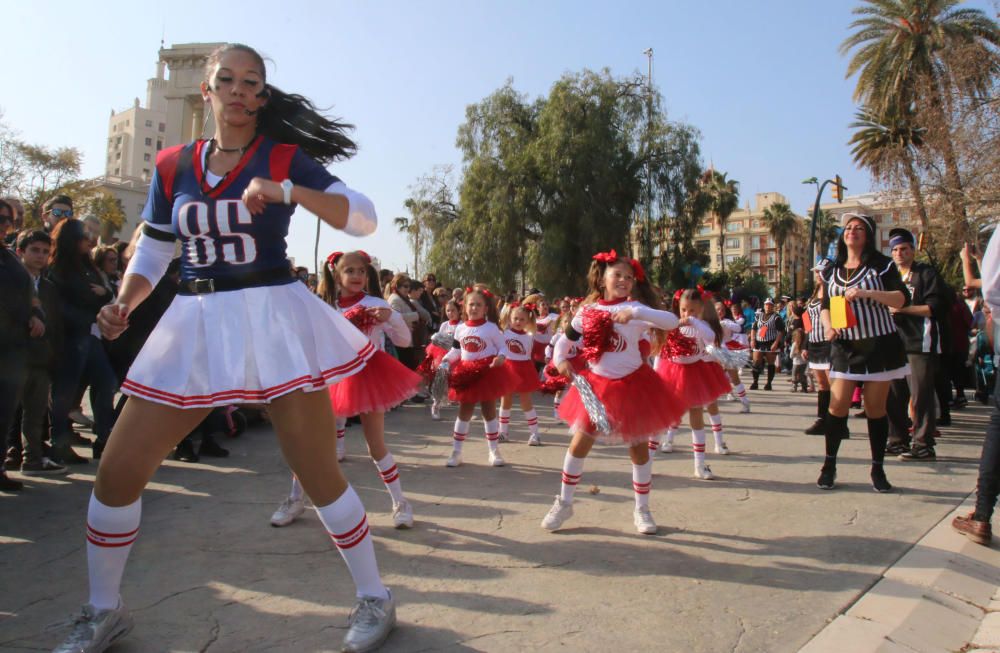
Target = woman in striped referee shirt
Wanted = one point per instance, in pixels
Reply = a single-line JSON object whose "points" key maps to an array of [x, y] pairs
{"points": [[869, 349], [818, 351]]}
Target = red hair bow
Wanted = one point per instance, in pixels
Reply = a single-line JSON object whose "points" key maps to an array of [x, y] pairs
{"points": [[531, 307], [483, 291], [333, 258], [606, 257], [677, 294], [640, 274], [364, 256]]}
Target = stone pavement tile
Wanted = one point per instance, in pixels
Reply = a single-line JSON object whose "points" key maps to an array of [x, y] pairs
{"points": [[848, 634], [989, 632]]}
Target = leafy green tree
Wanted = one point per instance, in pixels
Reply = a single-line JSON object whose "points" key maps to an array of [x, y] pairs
{"points": [[781, 223], [722, 198], [826, 230]]}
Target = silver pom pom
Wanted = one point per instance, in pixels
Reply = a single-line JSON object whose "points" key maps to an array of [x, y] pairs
{"points": [[595, 409], [443, 340], [730, 359], [439, 385]]}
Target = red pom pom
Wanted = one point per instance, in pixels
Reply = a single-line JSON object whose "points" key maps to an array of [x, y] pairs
{"points": [[597, 329], [464, 375], [362, 319], [678, 345]]}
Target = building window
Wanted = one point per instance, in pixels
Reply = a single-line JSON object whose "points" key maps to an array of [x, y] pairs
{"points": [[733, 243], [118, 141], [755, 224], [771, 258], [118, 171], [149, 142], [734, 226], [146, 157], [149, 123], [702, 246], [705, 230], [754, 258], [163, 126], [118, 156], [754, 242], [731, 257], [771, 274], [159, 145], [904, 216]]}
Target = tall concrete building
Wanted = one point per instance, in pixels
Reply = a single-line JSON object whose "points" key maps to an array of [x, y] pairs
{"points": [[174, 113]]}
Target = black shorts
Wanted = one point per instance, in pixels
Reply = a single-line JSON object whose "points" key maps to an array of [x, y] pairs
{"points": [[881, 358], [819, 355]]}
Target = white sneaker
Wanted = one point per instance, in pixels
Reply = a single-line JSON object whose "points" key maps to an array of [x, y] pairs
{"points": [[402, 514], [341, 452], [722, 449], [534, 440], [558, 514], [502, 437], [454, 460], [435, 413], [95, 630], [496, 459], [704, 472], [746, 408], [287, 512], [644, 521], [730, 397], [667, 447], [369, 625]]}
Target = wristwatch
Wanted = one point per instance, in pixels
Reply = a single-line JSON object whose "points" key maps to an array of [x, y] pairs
{"points": [[286, 189]]}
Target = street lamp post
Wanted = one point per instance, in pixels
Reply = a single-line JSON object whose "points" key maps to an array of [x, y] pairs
{"points": [[811, 253], [647, 231]]}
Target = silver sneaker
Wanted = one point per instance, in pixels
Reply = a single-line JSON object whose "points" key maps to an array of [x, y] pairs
{"points": [[288, 511], [95, 630], [454, 460], [644, 521], [496, 460], [534, 440], [402, 514], [369, 625], [558, 514]]}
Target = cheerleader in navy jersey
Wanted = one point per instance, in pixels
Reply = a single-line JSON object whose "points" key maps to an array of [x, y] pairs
{"points": [[478, 374], [436, 353], [609, 327], [383, 384], [865, 344], [691, 375], [817, 353], [519, 329], [241, 329]]}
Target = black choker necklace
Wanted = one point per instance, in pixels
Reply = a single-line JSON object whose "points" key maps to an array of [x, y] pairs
{"points": [[214, 145]]}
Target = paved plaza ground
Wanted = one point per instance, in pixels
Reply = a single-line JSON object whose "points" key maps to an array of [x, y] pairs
{"points": [[757, 560]]}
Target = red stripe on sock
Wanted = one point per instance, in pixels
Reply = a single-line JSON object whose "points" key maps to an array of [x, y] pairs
{"points": [[699, 448], [352, 543], [99, 533], [459, 436], [569, 479], [100, 543]]}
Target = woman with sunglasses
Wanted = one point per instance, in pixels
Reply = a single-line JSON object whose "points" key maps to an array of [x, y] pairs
{"points": [[861, 288], [241, 329]]}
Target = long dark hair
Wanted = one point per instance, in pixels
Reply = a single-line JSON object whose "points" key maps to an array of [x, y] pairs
{"points": [[708, 313], [291, 118], [66, 257], [869, 253], [642, 291]]}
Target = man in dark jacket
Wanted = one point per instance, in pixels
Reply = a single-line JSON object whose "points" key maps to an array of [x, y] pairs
{"points": [[918, 326]]}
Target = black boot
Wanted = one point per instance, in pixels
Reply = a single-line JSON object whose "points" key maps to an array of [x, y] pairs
{"points": [[209, 447], [185, 451], [836, 428], [878, 437], [755, 371], [770, 376], [822, 408]]}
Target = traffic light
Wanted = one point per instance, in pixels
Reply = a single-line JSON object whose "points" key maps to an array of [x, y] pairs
{"points": [[838, 189]]}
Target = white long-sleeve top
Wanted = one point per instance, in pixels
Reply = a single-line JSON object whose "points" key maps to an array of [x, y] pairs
{"points": [[545, 325], [395, 328], [518, 344], [624, 357], [477, 339], [702, 334], [448, 328], [733, 331]]}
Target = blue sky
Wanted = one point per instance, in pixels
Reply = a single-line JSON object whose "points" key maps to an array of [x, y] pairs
{"points": [[762, 79]]}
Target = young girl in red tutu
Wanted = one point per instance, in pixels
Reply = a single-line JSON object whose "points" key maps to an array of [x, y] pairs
{"points": [[689, 373], [555, 383], [733, 338], [519, 332], [381, 385], [478, 373], [609, 327], [545, 326], [436, 353]]}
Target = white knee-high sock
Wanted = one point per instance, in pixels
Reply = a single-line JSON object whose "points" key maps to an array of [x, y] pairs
{"points": [[532, 418], [492, 433], [346, 522], [110, 534], [672, 433], [572, 470], [642, 482], [389, 472], [716, 422], [698, 445], [653, 446], [504, 421], [459, 435], [740, 391], [341, 432], [297, 493], [556, 400]]}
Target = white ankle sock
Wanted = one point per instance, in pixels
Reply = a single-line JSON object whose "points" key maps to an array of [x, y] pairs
{"points": [[389, 472], [716, 422], [504, 421], [642, 481], [492, 433], [532, 418], [346, 522], [459, 435], [571, 472], [110, 534], [698, 445]]}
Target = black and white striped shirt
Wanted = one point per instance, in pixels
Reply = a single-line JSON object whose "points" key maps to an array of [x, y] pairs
{"points": [[814, 308], [874, 319], [772, 324]]}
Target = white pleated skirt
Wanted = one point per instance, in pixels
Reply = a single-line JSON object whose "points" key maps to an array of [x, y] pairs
{"points": [[245, 346]]}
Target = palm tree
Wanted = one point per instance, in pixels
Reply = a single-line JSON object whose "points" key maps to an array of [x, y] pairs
{"points": [[902, 50], [411, 227], [723, 197], [782, 223], [883, 141]]}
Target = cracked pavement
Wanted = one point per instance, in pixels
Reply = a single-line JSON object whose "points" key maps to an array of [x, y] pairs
{"points": [[757, 560]]}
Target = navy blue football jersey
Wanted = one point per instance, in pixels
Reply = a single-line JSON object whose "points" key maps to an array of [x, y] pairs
{"points": [[219, 237]]}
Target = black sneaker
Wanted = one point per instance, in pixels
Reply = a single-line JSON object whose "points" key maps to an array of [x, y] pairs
{"points": [[753, 386], [818, 428], [879, 482], [918, 454], [67, 457], [896, 449], [44, 468], [944, 421], [185, 452], [827, 477], [209, 447], [768, 387]]}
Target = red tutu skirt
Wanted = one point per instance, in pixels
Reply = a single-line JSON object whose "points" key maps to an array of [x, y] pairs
{"points": [[697, 384], [639, 406], [538, 351], [472, 382], [527, 376], [428, 367], [381, 385]]}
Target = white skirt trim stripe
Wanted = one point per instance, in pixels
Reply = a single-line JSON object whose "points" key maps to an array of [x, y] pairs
{"points": [[888, 375], [249, 345]]}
